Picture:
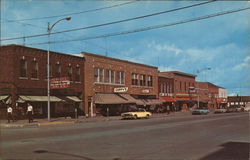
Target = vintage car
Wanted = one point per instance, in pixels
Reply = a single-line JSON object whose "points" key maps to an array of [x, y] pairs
{"points": [[220, 110], [140, 113], [200, 111]]}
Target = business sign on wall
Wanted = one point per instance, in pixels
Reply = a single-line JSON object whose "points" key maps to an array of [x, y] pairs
{"points": [[145, 91], [121, 89], [58, 83]]}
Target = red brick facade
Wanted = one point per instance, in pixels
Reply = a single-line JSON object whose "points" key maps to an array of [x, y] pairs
{"points": [[14, 82]]}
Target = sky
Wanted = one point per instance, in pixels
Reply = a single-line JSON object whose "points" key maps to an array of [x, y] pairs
{"points": [[216, 49]]}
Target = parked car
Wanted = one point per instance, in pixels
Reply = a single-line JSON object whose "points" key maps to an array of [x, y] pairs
{"points": [[220, 110], [200, 111], [140, 113], [230, 110], [240, 109], [247, 109]]}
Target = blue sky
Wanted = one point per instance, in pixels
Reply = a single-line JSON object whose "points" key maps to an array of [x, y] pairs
{"points": [[221, 43]]}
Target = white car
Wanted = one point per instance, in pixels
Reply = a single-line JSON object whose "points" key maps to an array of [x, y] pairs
{"points": [[247, 109]]}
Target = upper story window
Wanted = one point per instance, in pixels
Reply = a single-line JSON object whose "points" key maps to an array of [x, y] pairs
{"points": [[119, 77], [78, 74], [23, 68], [134, 79], [34, 72], [150, 81], [70, 71], [142, 80], [58, 70], [98, 75], [107, 76], [180, 86]]}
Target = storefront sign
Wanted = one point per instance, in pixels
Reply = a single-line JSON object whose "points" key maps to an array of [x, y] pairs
{"points": [[57, 83], [121, 90], [145, 91]]}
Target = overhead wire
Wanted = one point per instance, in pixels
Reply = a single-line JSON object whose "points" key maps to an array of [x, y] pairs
{"points": [[74, 13], [114, 22], [148, 28]]}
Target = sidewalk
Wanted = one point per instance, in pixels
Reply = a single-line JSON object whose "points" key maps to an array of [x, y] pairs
{"points": [[81, 119]]}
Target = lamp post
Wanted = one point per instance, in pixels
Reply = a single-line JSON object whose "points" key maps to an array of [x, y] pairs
{"points": [[198, 89], [50, 27]]}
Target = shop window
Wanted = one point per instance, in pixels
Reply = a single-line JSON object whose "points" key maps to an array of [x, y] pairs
{"points": [[58, 70], [34, 72], [150, 81], [23, 68], [78, 74], [142, 80]]}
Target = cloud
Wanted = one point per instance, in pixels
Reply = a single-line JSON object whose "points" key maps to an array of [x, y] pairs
{"points": [[169, 48], [244, 64]]}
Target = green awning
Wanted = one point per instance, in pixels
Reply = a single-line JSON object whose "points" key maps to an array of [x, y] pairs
{"points": [[3, 97], [39, 98], [74, 98]]}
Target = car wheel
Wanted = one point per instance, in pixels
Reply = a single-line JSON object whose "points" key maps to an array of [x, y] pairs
{"points": [[147, 116], [135, 117]]}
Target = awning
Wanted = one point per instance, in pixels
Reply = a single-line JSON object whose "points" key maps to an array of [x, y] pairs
{"points": [[3, 97], [129, 98], [153, 101], [167, 99], [39, 98], [109, 98], [74, 98]]}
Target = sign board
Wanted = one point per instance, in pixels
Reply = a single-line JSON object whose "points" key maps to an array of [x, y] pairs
{"points": [[145, 91], [58, 83], [121, 89]]}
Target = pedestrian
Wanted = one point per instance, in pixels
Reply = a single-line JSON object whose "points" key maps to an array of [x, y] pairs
{"points": [[9, 114], [30, 113], [168, 109]]}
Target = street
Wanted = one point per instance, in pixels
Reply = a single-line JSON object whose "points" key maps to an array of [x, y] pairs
{"points": [[189, 137]]}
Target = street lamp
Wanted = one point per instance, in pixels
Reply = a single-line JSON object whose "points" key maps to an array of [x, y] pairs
{"points": [[198, 89], [50, 27]]}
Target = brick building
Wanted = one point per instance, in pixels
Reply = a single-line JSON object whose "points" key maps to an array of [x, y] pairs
{"points": [[23, 78], [183, 90], [237, 101], [166, 93], [113, 85]]}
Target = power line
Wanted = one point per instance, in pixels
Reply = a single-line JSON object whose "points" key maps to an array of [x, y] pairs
{"points": [[114, 22], [148, 28], [69, 14]]}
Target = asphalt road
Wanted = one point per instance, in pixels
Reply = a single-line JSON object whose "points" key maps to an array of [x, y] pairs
{"points": [[188, 137]]}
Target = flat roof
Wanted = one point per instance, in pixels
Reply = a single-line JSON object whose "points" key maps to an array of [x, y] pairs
{"points": [[38, 49], [180, 73], [116, 59]]}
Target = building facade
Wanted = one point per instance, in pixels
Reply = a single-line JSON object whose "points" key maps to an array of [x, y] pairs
{"points": [[238, 101], [183, 89], [113, 85], [24, 79]]}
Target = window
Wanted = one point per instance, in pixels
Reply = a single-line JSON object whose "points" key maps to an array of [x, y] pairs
{"points": [[185, 86], [70, 70], [122, 78], [118, 77], [180, 86], [98, 75], [112, 76], [107, 76], [23, 68], [34, 72], [142, 80], [134, 79], [78, 73], [58, 70], [150, 81]]}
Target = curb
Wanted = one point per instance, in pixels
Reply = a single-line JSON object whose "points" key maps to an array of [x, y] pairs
{"points": [[53, 123]]}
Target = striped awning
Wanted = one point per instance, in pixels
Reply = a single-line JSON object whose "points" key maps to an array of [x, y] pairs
{"points": [[110, 98]]}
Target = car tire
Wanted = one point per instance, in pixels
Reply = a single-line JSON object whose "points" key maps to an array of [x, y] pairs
{"points": [[147, 116], [135, 117]]}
